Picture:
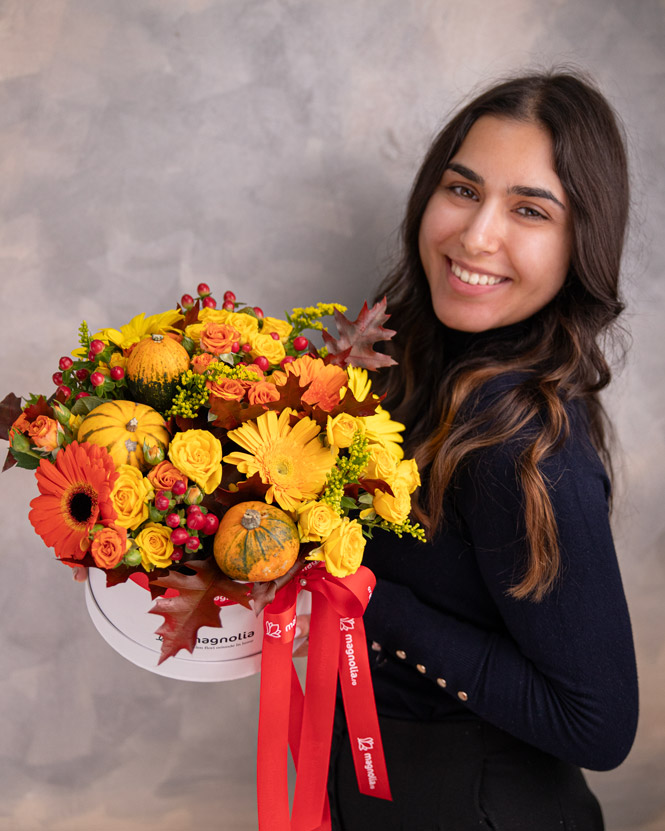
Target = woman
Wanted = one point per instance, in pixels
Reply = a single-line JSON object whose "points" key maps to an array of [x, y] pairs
{"points": [[502, 648]]}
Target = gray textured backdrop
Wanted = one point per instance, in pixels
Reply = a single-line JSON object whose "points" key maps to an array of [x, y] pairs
{"points": [[264, 146]]}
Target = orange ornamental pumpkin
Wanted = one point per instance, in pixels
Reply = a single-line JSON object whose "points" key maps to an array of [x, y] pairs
{"points": [[122, 427], [154, 367], [256, 542]]}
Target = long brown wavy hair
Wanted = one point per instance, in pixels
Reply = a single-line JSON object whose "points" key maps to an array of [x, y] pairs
{"points": [[557, 355]]}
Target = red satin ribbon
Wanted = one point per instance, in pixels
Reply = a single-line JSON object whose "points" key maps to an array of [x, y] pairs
{"points": [[336, 646]]}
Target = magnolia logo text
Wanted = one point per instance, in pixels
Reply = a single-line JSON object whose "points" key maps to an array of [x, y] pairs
{"points": [[273, 630], [351, 656], [346, 623], [366, 745], [241, 636]]}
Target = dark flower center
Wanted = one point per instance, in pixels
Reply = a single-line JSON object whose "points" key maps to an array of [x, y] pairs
{"points": [[81, 506]]}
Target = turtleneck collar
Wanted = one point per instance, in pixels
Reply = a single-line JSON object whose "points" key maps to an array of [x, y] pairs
{"points": [[459, 344]]}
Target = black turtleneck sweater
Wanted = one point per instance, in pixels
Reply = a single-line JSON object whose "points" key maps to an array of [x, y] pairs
{"points": [[448, 641]]}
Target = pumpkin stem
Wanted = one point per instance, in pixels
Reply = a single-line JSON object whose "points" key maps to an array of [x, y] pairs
{"points": [[131, 425], [157, 338], [251, 519]]}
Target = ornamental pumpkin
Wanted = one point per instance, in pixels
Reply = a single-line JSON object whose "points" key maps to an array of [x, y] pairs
{"points": [[256, 542], [154, 367], [122, 427]]}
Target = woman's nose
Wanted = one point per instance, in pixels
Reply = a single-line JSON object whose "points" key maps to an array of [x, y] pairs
{"points": [[483, 233]]}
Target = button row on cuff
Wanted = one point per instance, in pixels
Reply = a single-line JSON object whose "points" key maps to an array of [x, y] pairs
{"points": [[423, 669]]}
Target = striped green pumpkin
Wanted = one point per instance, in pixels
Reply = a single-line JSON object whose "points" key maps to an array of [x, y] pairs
{"points": [[122, 427], [154, 367]]}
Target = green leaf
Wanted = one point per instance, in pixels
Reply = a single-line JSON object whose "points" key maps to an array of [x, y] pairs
{"points": [[86, 405], [28, 461], [348, 504]]}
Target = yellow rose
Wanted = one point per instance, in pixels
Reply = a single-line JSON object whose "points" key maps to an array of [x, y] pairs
{"points": [[117, 359], [267, 346], [342, 552], [273, 324], [394, 508], [130, 496], [198, 454], [408, 473], [316, 521], [341, 430], [193, 332], [382, 463], [154, 543], [247, 325]]}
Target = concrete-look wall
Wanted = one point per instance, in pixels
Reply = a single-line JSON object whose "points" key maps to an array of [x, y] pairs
{"points": [[264, 146]]}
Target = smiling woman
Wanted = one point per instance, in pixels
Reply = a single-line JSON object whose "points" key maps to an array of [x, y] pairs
{"points": [[503, 647]]}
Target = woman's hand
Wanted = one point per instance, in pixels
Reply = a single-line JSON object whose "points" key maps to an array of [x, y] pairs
{"points": [[80, 574]]}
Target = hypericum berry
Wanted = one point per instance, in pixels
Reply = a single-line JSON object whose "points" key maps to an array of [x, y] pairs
{"points": [[57, 378], [274, 335], [258, 311], [211, 524], [228, 306], [209, 302], [192, 544], [262, 362], [235, 346], [176, 554], [195, 521], [229, 297], [179, 536], [246, 347], [65, 363], [178, 487], [172, 520], [203, 289], [82, 374], [63, 392], [162, 503], [300, 343], [288, 360], [97, 379], [117, 373], [193, 509], [187, 301], [82, 394], [97, 346]]}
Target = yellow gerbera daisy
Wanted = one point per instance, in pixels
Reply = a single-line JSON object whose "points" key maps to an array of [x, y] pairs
{"points": [[359, 383], [291, 460], [138, 328]]}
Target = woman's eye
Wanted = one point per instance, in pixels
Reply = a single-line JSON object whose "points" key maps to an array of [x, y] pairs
{"points": [[463, 191], [531, 213]]}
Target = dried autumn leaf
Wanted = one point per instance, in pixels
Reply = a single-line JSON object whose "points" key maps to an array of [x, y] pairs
{"points": [[10, 410], [194, 606], [354, 347]]}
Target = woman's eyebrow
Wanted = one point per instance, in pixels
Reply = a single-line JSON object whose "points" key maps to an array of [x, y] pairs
{"points": [[520, 190]]}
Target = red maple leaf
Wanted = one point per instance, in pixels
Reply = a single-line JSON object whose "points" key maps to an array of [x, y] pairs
{"points": [[354, 347], [40, 407], [194, 606]]}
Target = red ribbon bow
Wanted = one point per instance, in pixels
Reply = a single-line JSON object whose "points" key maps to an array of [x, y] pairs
{"points": [[336, 646]]}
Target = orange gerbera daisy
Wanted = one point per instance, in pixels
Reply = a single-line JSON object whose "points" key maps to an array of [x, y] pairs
{"points": [[325, 381], [75, 494]]}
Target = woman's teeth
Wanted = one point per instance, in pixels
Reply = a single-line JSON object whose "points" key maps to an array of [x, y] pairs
{"points": [[473, 278]]}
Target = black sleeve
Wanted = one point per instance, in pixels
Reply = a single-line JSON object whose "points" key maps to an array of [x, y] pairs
{"points": [[561, 674]]}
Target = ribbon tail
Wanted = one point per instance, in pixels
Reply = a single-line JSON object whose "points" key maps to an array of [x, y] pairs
{"points": [[272, 761], [361, 717], [310, 807]]}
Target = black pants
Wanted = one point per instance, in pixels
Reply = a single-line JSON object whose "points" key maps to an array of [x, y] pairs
{"points": [[460, 775]]}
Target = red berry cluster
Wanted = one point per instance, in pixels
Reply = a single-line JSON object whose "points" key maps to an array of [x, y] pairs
{"points": [[82, 377], [180, 509], [204, 295]]}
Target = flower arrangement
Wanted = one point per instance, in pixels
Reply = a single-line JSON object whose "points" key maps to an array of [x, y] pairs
{"points": [[202, 437]]}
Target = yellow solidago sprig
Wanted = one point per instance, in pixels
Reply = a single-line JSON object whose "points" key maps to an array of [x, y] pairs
{"points": [[347, 470], [190, 396], [310, 316]]}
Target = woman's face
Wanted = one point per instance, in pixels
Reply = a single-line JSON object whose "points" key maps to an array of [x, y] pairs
{"points": [[495, 238]]}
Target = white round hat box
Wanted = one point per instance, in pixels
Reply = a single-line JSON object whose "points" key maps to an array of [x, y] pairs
{"points": [[120, 614]]}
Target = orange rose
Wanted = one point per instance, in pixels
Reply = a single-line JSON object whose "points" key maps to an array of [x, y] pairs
{"points": [[109, 546], [226, 388], [164, 475], [44, 432], [21, 424], [218, 337], [262, 393], [201, 362]]}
